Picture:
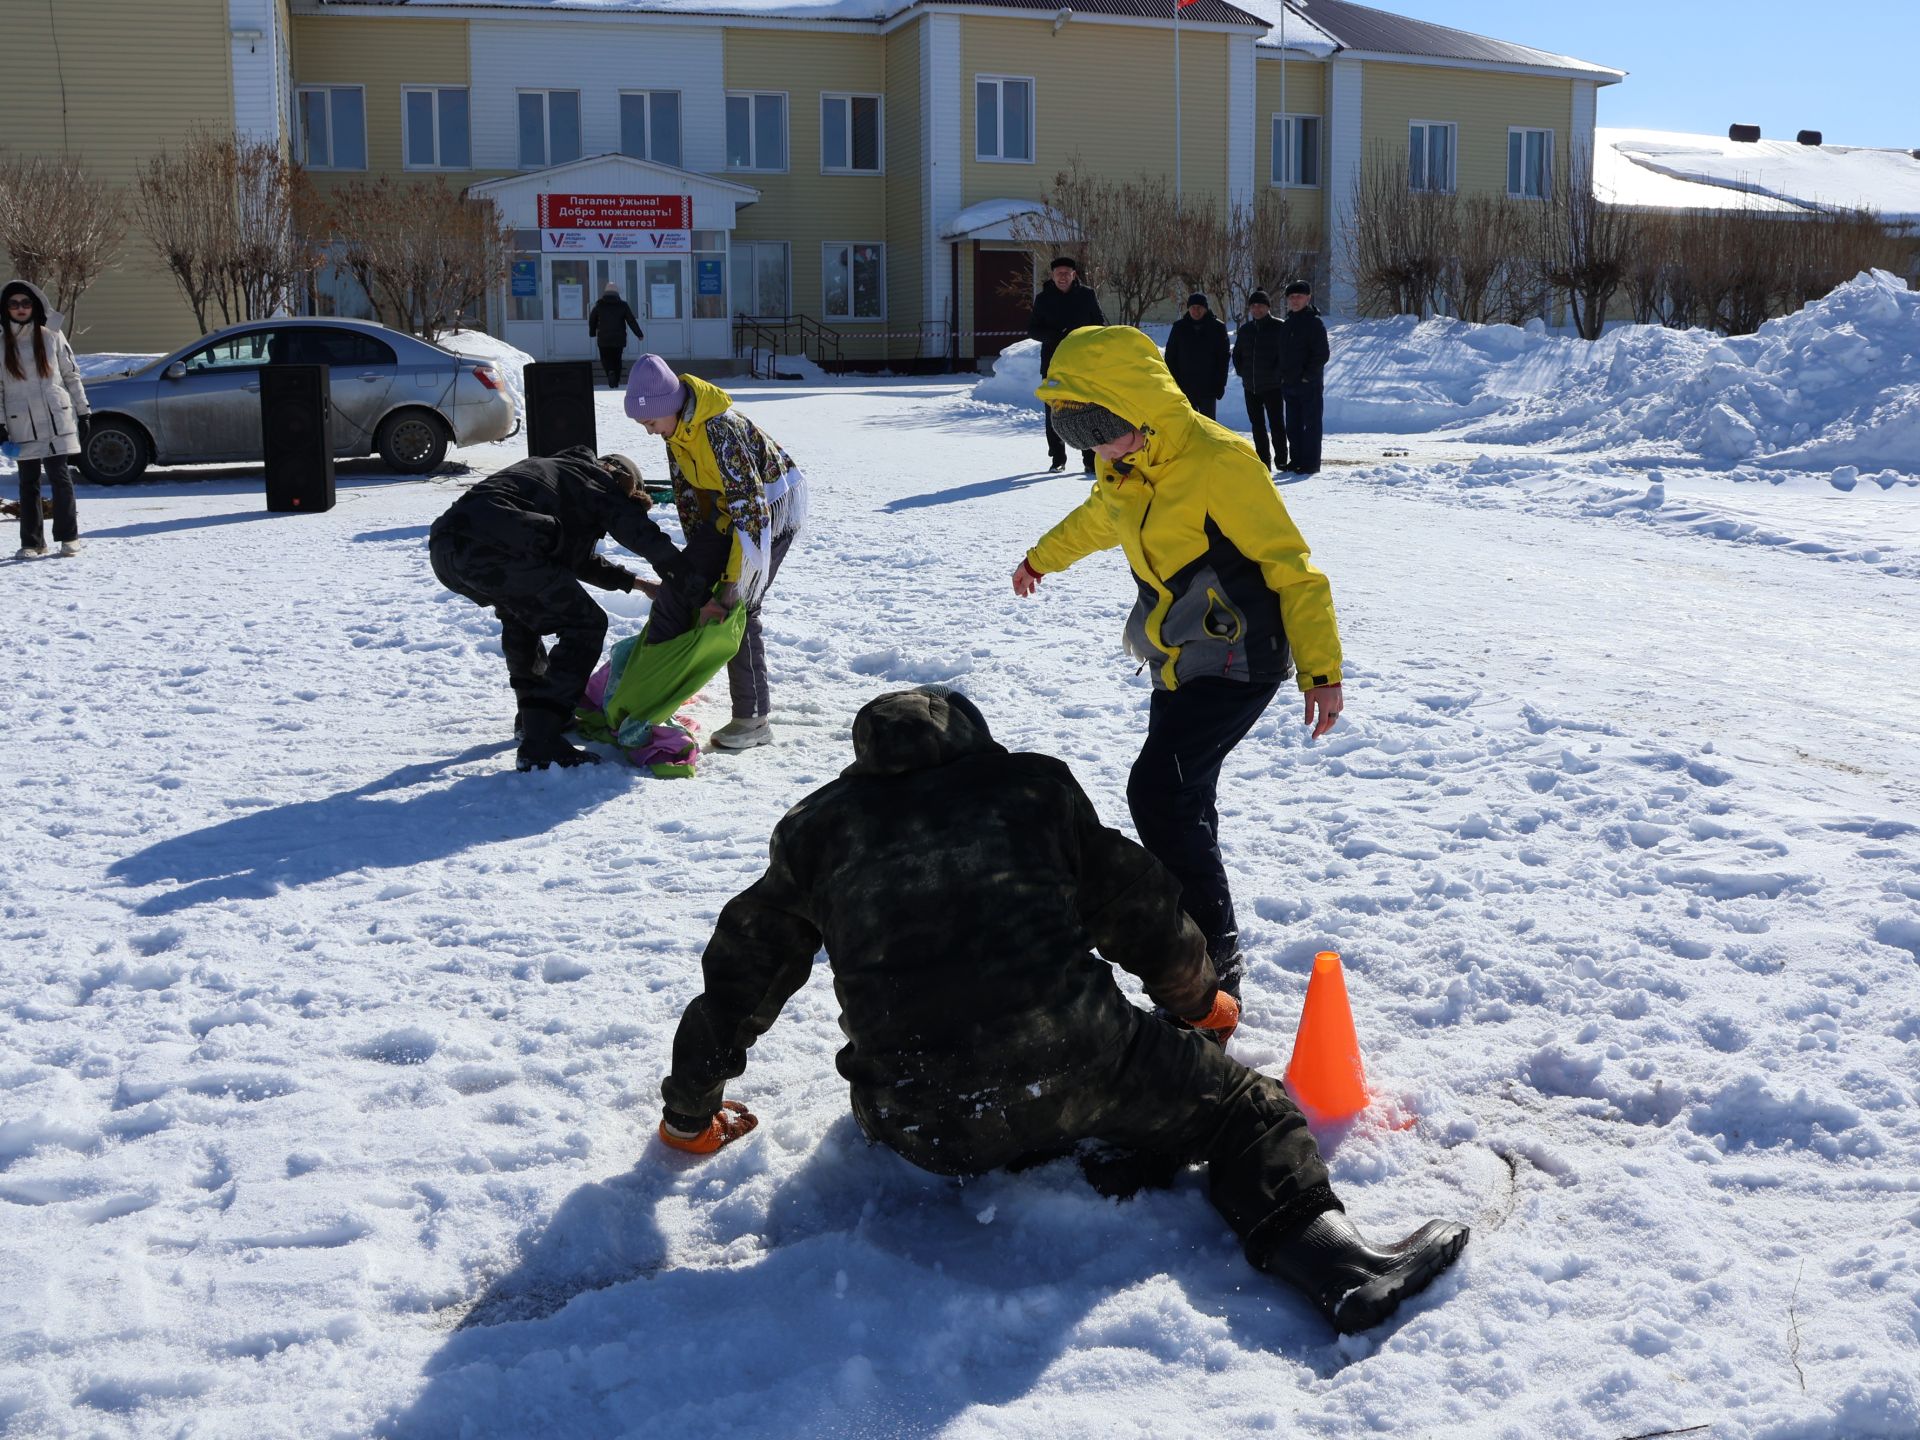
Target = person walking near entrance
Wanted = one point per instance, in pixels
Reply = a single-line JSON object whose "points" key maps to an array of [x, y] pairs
{"points": [[1256, 360], [741, 503], [1062, 306], [608, 323], [1197, 355], [43, 410], [1303, 363], [1228, 598]]}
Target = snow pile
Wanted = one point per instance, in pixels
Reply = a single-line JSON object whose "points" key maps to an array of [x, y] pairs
{"points": [[1836, 384], [509, 362]]}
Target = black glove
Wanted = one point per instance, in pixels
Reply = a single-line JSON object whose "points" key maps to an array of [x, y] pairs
{"points": [[3, 434]]}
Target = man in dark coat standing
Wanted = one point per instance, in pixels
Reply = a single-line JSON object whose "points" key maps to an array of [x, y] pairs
{"points": [[1197, 354], [608, 323], [957, 888], [1303, 364], [1256, 360], [521, 541], [1062, 306]]}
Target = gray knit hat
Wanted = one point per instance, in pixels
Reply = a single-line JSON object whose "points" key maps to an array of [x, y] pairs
{"points": [[1084, 426]]}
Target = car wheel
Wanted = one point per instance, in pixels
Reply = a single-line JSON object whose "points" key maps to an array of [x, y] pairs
{"points": [[412, 441], [116, 452]]}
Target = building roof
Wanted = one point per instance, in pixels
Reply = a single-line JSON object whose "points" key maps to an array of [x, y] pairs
{"points": [[1380, 32], [1669, 170], [1216, 12]]}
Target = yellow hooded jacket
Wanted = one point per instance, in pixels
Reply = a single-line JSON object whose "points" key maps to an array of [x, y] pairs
{"points": [[733, 486], [1226, 587]]}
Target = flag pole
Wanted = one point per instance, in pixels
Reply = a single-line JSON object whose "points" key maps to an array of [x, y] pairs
{"points": [[1176, 98]]}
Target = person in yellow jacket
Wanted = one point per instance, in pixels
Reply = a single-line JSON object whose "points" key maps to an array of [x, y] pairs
{"points": [[1228, 600], [741, 502]]}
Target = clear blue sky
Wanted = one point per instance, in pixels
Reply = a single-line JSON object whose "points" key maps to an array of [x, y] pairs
{"points": [[1848, 68]]}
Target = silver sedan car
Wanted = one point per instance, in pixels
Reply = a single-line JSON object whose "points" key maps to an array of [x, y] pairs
{"points": [[393, 395]]}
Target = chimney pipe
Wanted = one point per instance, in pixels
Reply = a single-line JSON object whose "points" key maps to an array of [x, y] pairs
{"points": [[1745, 134], [1809, 137]]}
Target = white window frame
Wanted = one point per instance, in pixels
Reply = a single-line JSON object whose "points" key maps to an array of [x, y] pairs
{"points": [[546, 94], [1281, 141], [1452, 128], [826, 248], [1546, 166], [299, 112], [879, 132], [753, 130], [406, 133], [750, 251], [1033, 116], [680, 100]]}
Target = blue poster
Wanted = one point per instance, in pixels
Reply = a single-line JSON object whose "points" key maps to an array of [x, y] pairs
{"points": [[710, 277], [526, 278]]}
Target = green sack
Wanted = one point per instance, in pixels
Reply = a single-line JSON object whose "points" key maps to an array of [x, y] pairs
{"points": [[649, 682]]}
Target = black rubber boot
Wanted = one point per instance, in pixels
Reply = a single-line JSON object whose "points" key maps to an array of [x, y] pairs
{"points": [[542, 743], [1357, 1284]]}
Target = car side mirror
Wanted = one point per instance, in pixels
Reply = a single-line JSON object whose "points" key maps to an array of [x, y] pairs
{"points": [[177, 370]]}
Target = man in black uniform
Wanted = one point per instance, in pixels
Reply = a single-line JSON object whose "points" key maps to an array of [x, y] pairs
{"points": [[1062, 306], [607, 324], [1303, 363], [1197, 355], [521, 541], [957, 888], [1256, 360]]}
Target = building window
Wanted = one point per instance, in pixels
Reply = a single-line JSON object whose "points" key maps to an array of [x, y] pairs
{"points": [[1430, 151], [333, 128], [650, 125], [853, 281], [1529, 164], [760, 278], [437, 133], [549, 127], [1003, 119], [1296, 150], [850, 134], [756, 132]]}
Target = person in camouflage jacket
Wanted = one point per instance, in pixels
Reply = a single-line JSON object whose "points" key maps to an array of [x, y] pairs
{"points": [[959, 890]]}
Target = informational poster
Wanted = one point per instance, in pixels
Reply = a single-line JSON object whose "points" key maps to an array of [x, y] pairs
{"points": [[664, 301], [569, 301], [616, 242], [710, 278], [526, 279]]}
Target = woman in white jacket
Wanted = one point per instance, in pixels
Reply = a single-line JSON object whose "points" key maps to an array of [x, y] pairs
{"points": [[45, 406]]}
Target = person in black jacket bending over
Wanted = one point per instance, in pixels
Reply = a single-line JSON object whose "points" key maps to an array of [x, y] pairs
{"points": [[608, 323], [522, 541], [1062, 306], [1197, 355], [1303, 364], [957, 888], [1256, 360]]}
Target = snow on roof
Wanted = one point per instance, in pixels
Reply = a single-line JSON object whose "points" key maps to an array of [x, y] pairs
{"points": [[1668, 170], [995, 216], [1217, 12], [1302, 33]]}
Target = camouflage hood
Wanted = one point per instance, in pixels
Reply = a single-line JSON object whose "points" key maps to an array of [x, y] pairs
{"points": [[917, 729]]}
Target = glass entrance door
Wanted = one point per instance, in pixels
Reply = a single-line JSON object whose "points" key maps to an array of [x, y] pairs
{"points": [[664, 279], [567, 302]]}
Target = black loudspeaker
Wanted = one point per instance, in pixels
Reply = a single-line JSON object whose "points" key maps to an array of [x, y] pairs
{"points": [[560, 406], [296, 413]]}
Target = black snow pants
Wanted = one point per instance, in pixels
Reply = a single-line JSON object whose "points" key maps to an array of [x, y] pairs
{"points": [[1306, 406], [1265, 414], [1171, 793], [1202, 404], [1168, 1094], [747, 672], [66, 518], [533, 597]]}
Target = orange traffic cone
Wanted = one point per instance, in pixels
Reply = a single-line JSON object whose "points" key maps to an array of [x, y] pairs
{"points": [[1325, 1074]]}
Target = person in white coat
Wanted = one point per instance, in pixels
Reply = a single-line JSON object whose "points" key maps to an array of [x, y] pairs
{"points": [[45, 409]]}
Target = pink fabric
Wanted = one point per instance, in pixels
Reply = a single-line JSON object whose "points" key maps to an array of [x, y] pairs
{"points": [[597, 687]]}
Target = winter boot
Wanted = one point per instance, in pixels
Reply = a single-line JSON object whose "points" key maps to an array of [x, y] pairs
{"points": [[743, 732], [1356, 1284], [69, 548], [30, 552], [542, 743]]}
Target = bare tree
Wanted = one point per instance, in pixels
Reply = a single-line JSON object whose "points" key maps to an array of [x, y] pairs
{"points": [[269, 255], [61, 227], [1400, 242], [1648, 271], [1128, 231], [1585, 247], [1269, 248], [424, 253], [1488, 279]]}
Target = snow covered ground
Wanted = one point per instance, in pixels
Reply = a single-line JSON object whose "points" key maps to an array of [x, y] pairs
{"points": [[329, 1046]]}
